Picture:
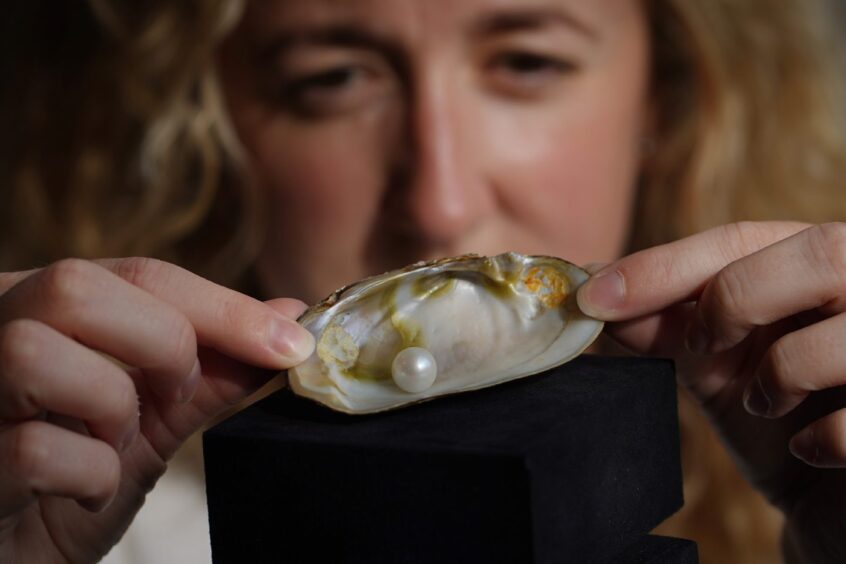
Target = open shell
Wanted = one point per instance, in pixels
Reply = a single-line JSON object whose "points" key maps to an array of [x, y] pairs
{"points": [[486, 320]]}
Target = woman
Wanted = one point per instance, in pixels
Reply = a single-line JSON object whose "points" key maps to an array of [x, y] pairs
{"points": [[338, 139]]}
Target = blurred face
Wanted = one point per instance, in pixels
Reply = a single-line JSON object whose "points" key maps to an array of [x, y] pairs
{"points": [[389, 131]]}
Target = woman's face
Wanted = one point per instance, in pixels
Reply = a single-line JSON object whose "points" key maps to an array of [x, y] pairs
{"points": [[389, 131]]}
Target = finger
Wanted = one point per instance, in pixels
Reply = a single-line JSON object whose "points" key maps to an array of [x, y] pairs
{"points": [[43, 370], [230, 322], [823, 442], [800, 273], [657, 334], [662, 335], [232, 381], [650, 280], [225, 383], [804, 361], [289, 307], [594, 267], [92, 305], [10, 279], [37, 458]]}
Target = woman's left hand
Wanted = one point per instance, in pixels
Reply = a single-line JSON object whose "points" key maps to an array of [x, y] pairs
{"points": [[755, 316]]}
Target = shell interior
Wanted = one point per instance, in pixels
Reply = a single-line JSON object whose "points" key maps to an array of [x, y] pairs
{"points": [[486, 320]]}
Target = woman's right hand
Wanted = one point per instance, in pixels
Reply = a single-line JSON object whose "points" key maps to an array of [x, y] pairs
{"points": [[83, 438]]}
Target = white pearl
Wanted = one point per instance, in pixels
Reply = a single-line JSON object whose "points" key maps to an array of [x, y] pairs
{"points": [[414, 370]]}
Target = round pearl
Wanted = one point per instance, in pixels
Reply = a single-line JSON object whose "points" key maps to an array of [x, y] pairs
{"points": [[414, 370]]}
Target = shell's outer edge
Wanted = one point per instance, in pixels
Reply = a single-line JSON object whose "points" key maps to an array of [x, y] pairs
{"points": [[338, 296]]}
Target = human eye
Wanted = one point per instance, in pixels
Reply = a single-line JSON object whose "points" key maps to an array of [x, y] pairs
{"points": [[332, 90], [527, 74]]}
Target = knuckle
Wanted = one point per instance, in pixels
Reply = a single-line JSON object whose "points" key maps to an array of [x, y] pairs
{"points": [[21, 349], [741, 238], [143, 272], [256, 329], [828, 246], [665, 266], [833, 232], [231, 314], [29, 451], [21, 345], [184, 341], [248, 323], [730, 292], [781, 361], [125, 397], [177, 347], [66, 283], [108, 480], [228, 314]]}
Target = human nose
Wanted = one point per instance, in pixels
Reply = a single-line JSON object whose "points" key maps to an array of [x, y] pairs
{"points": [[447, 193]]}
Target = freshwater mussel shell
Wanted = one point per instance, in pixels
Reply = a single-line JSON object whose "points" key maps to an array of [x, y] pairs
{"points": [[487, 320]]}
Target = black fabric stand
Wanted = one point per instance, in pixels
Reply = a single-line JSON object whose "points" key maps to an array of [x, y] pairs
{"points": [[574, 465]]}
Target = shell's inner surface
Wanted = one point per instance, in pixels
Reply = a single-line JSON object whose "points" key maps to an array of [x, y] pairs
{"points": [[484, 320]]}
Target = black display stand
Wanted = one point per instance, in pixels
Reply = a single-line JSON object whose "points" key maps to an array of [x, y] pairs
{"points": [[574, 465]]}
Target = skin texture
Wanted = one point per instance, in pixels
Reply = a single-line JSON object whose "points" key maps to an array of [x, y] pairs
{"points": [[754, 315], [83, 439], [437, 128], [442, 128]]}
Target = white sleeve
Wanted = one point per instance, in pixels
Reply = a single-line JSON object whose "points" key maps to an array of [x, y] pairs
{"points": [[173, 525]]}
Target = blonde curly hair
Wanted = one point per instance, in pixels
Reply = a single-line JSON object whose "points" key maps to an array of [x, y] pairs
{"points": [[749, 106], [117, 140], [115, 143]]}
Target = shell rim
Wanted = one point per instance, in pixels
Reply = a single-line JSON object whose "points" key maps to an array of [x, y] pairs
{"points": [[334, 297]]}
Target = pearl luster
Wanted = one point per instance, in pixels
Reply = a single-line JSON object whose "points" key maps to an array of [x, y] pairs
{"points": [[414, 370]]}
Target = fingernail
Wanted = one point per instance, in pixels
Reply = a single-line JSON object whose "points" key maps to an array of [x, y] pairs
{"points": [[189, 388], [602, 294], [130, 435], [804, 447], [756, 400], [291, 340]]}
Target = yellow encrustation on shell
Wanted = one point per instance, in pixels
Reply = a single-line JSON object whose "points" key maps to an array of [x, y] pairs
{"points": [[485, 320]]}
